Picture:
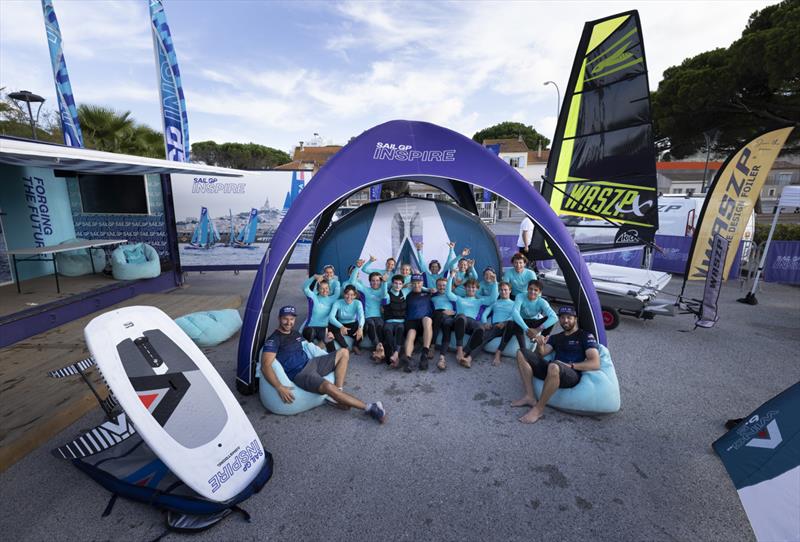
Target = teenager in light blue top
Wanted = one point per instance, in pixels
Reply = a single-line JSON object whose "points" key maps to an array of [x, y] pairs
{"points": [[347, 314], [497, 318], [519, 276], [488, 285], [467, 309], [435, 270], [316, 330], [374, 298], [465, 271], [386, 273], [532, 315], [444, 313], [329, 274]]}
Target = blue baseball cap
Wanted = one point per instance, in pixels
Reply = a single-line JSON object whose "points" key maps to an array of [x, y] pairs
{"points": [[416, 277], [567, 309], [288, 310]]}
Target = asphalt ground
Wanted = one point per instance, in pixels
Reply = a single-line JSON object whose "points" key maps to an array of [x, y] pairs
{"points": [[453, 463]]}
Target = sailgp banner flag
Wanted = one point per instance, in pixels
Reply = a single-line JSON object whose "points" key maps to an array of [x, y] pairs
{"points": [[731, 199], [375, 192], [68, 112], [173, 105]]}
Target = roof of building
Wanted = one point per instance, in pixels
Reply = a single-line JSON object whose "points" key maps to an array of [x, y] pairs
{"points": [[538, 157], [294, 165], [24, 152], [687, 166], [783, 164], [316, 155], [507, 145]]}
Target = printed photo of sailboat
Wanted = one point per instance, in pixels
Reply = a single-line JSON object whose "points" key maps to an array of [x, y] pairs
{"points": [[247, 235], [205, 235]]}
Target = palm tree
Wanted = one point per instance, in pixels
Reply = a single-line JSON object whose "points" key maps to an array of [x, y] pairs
{"points": [[104, 129]]}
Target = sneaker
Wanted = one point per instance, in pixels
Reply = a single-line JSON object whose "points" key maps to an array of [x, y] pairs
{"points": [[423, 360], [407, 363], [376, 412]]}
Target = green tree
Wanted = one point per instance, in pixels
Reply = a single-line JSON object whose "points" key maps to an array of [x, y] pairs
{"points": [[731, 94], [14, 121], [238, 155], [512, 130], [105, 129]]}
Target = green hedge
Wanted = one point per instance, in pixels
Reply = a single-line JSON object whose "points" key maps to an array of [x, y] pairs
{"points": [[783, 232]]}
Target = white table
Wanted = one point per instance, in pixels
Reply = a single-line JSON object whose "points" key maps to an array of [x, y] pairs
{"points": [[35, 254]]}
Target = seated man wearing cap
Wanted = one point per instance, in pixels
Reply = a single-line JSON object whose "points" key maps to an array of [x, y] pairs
{"points": [[419, 312], [575, 351], [286, 345]]}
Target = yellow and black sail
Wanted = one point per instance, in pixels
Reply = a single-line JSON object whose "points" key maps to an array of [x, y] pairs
{"points": [[601, 176]]}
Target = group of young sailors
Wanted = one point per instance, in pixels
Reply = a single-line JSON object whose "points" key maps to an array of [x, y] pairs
{"points": [[399, 308]]}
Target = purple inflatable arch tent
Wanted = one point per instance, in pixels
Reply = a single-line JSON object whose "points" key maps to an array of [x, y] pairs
{"points": [[420, 152]]}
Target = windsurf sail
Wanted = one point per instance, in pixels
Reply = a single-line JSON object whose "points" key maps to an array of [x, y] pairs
{"points": [[731, 197], [68, 111], [247, 235], [762, 457], [601, 174]]}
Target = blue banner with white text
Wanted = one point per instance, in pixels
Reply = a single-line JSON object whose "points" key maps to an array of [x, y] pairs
{"points": [[173, 104], [68, 111], [783, 262]]}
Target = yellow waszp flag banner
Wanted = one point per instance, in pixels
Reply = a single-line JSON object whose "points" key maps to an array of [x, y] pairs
{"points": [[731, 199]]}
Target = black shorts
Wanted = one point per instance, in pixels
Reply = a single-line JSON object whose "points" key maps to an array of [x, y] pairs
{"points": [[568, 377], [310, 378], [416, 325]]}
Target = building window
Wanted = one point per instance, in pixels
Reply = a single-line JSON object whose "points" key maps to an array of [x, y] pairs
{"points": [[514, 162], [771, 192], [428, 196], [677, 190], [782, 179]]}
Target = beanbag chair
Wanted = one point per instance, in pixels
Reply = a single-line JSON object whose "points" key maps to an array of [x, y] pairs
{"points": [[75, 263], [303, 400], [596, 393], [135, 261], [511, 348], [210, 328]]}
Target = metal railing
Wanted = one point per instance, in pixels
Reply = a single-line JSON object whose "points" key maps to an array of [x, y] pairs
{"points": [[487, 211]]}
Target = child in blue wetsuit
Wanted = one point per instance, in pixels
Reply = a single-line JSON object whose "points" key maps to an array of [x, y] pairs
{"points": [[316, 330], [386, 273], [435, 270], [465, 272], [532, 316], [488, 285], [519, 276], [467, 308], [497, 318], [374, 298], [444, 313], [329, 274], [347, 314]]}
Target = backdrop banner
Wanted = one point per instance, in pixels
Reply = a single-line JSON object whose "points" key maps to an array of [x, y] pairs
{"points": [[236, 207], [783, 262]]}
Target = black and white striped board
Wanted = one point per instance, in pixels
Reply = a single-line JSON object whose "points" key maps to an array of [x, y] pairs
{"points": [[96, 440], [73, 369]]}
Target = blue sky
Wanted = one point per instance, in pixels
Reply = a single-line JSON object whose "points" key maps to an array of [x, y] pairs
{"points": [[277, 72]]}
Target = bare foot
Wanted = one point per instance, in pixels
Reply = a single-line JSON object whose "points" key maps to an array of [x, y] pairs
{"points": [[532, 416], [525, 401], [394, 360], [496, 360], [466, 362], [442, 365], [356, 350]]}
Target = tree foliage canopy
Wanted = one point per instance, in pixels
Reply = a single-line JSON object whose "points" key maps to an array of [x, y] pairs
{"points": [[512, 130], [238, 155], [732, 94]]}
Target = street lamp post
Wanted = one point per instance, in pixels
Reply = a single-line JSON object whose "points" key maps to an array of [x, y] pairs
{"points": [[558, 95], [705, 169], [28, 97]]}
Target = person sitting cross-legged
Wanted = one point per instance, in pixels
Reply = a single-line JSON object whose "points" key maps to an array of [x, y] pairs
{"points": [[575, 350], [286, 345]]}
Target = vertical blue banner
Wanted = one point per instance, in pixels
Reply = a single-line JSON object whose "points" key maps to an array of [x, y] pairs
{"points": [[173, 105], [375, 192], [68, 112]]}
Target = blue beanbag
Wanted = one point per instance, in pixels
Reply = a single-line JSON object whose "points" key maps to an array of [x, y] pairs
{"points": [[596, 393], [123, 269], [511, 348], [210, 328], [303, 400], [75, 263]]}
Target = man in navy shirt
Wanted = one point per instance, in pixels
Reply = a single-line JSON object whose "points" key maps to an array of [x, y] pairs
{"points": [[419, 310], [306, 372], [575, 351]]}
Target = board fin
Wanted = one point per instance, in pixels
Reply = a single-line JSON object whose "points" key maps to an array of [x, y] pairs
{"points": [[73, 369], [101, 438]]}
